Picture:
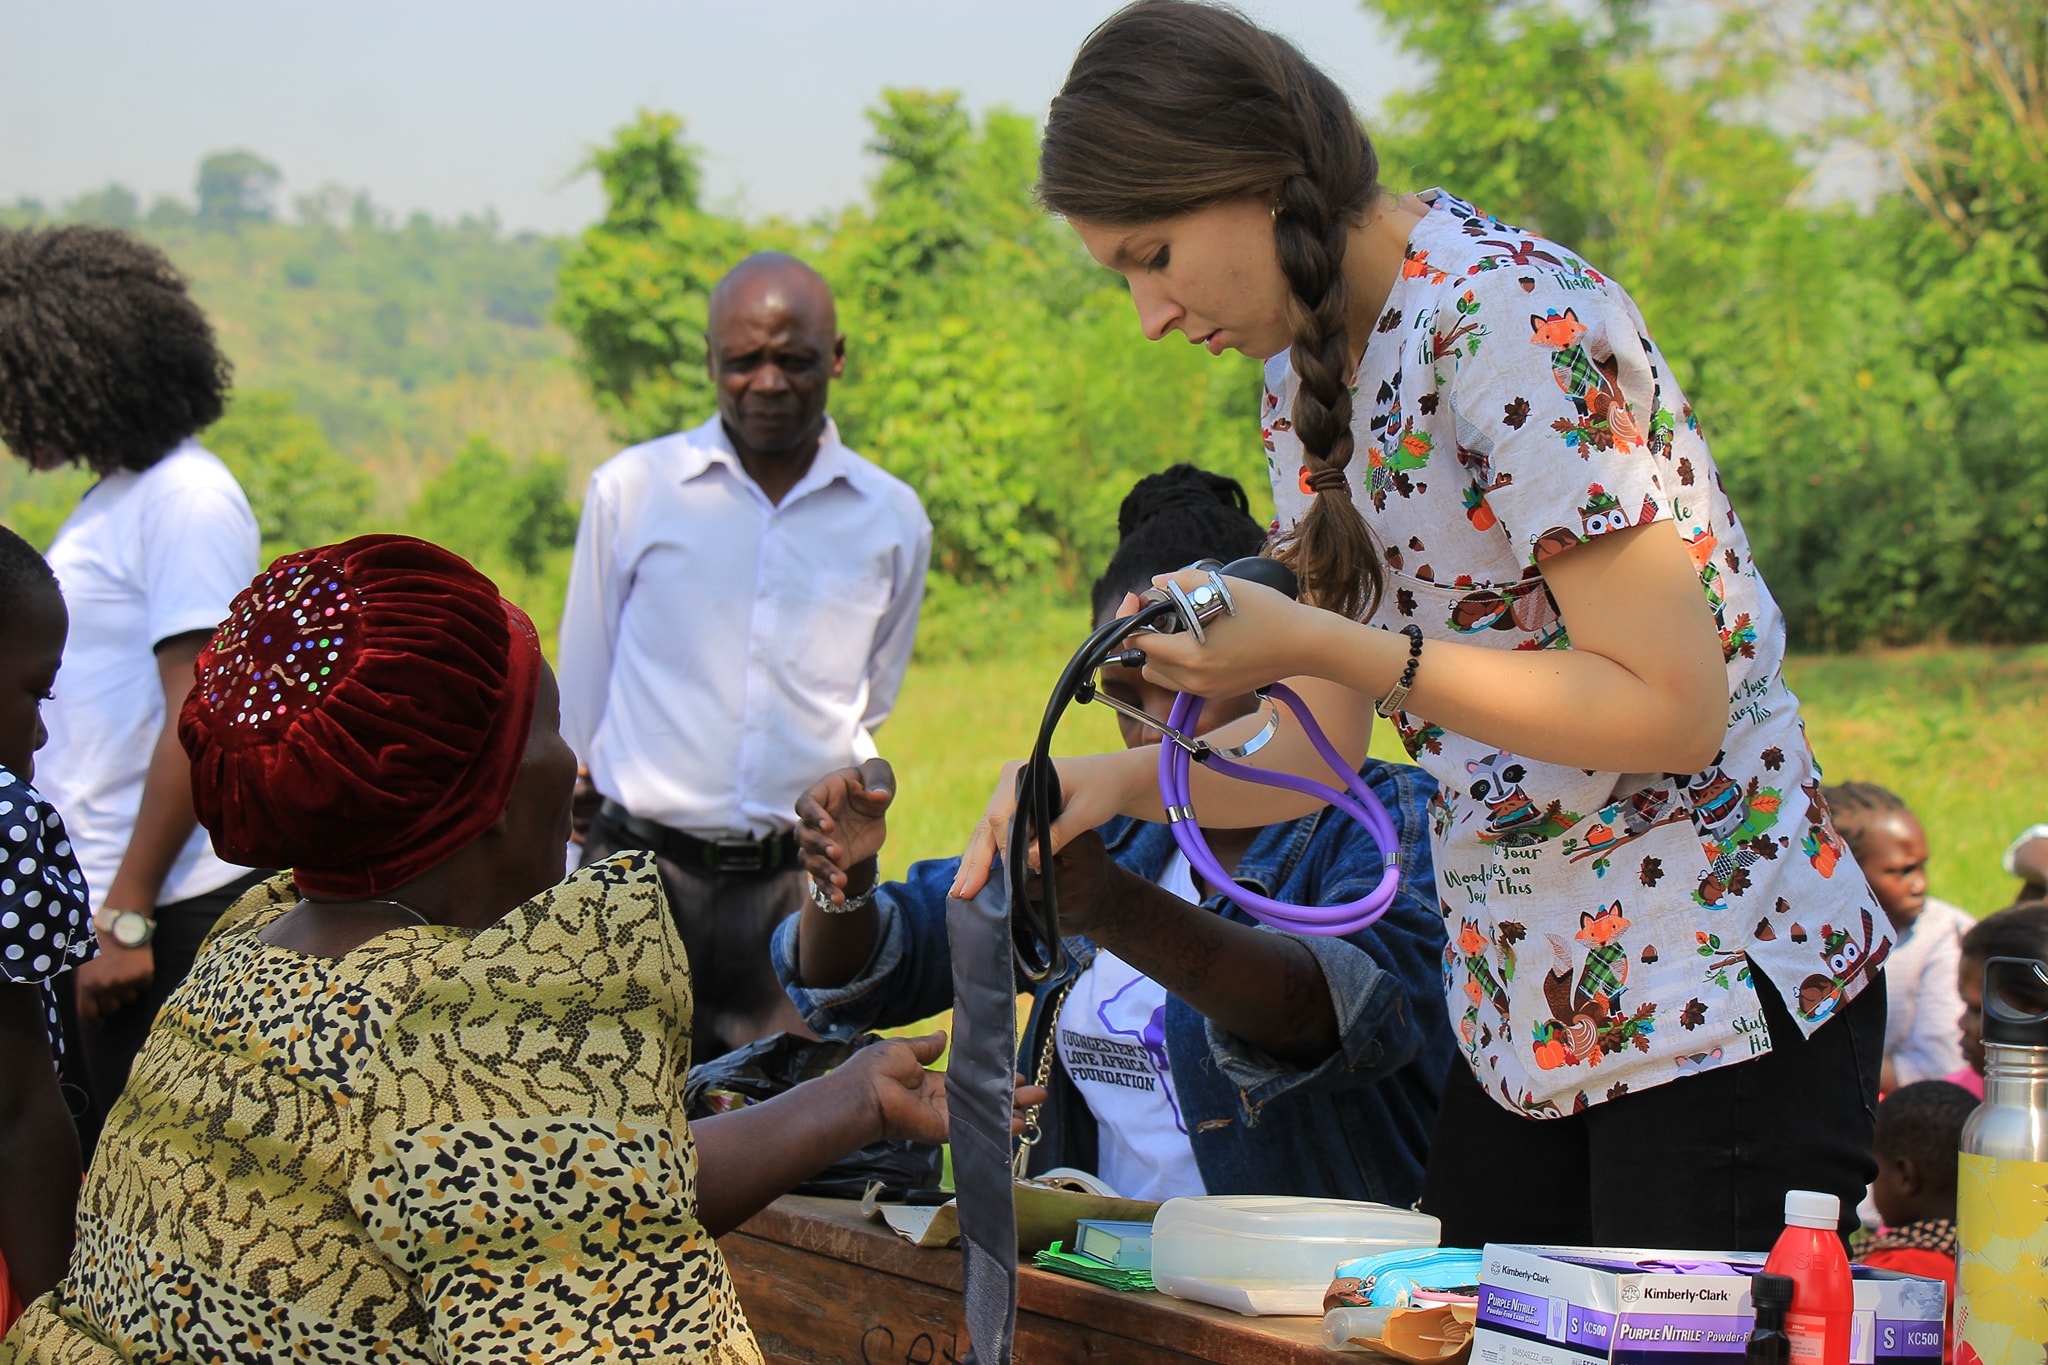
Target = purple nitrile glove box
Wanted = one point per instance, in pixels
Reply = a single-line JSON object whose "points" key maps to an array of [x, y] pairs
{"points": [[1608, 1306]]}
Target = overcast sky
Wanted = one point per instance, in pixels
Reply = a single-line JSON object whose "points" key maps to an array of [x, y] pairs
{"points": [[456, 106]]}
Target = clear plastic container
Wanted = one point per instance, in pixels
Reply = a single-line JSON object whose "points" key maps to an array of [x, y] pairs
{"points": [[1256, 1253]]}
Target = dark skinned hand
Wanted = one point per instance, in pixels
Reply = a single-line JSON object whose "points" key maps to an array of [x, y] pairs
{"points": [[1091, 886], [583, 804], [842, 822], [109, 982], [909, 1101]]}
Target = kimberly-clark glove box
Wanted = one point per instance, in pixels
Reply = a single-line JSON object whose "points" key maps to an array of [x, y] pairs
{"points": [[1602, 1306]]}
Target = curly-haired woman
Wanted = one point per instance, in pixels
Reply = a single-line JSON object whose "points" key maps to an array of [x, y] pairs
{"points": [[1514, 543], [107, 362]]}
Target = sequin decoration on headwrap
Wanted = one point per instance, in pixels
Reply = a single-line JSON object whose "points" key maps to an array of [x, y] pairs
{"points": [[314, 638], [361, 714]]}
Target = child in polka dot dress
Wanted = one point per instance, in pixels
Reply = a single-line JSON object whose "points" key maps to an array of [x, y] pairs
{"points": [[43, 931]]}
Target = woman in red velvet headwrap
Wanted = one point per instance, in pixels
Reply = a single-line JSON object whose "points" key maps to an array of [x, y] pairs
{"points": [[417, 1100]]}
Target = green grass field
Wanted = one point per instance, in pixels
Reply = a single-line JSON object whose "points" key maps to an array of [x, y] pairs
{"points": [[1961, 734]]}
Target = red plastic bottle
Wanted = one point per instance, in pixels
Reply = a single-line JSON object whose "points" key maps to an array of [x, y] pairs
{"points": [[1810, 1253]]}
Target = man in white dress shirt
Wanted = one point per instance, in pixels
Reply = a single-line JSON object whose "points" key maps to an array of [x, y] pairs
{"points": [[741, 610]]}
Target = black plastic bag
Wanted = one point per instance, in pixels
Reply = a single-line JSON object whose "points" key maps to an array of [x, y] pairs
{"points": [[780, 1062]]}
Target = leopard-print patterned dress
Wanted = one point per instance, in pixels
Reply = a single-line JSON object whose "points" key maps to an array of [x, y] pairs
{"points": [[437, 1147]]}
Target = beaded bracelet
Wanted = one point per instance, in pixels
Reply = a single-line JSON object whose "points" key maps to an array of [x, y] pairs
{"points": [[1392, 701]]}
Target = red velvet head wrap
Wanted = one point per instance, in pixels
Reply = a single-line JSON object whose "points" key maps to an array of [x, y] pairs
{"points": [[361, 714]]}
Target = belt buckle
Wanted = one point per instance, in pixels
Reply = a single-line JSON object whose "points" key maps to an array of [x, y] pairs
{"points": [[738, 855]]}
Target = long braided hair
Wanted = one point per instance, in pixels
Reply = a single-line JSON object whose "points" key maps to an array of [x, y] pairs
{"points": [[1172, 106]]}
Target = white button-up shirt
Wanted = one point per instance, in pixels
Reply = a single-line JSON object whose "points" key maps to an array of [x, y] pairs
{"points": [[720, 653]]}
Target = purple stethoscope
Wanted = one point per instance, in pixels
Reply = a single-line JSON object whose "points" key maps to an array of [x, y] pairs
{"points": [[1035, 917]]}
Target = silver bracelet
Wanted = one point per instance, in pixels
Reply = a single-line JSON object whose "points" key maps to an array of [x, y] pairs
{"points": [[822, 898]]}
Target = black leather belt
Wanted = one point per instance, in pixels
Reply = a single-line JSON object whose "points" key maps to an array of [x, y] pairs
{"points": [[763, 856]]}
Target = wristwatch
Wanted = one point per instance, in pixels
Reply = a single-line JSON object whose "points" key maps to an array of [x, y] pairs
{"points": [[129, 928]]}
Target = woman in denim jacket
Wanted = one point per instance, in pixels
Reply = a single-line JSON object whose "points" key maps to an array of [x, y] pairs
{"points": [[1185, 1048]]}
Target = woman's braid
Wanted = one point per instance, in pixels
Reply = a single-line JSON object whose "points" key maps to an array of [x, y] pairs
{"points": [[1312, 220]]}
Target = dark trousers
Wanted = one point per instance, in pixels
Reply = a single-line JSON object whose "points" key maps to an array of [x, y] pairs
{"points": [[109, 1047], [727, 921], [1696, 1164]]}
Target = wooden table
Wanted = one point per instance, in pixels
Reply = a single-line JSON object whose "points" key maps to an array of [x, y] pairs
{"points": [[821, 1284]]}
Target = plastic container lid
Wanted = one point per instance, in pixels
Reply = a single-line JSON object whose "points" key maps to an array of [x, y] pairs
{"points": [[1272, 1253], [1810, 1209]]}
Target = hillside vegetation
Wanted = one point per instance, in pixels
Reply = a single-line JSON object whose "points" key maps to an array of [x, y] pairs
{"points": [[1874, 380]]}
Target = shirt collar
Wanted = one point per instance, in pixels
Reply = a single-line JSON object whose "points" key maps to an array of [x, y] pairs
{"points": [[708, 445]]}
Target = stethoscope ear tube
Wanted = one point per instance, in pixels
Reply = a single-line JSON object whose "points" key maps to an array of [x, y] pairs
{"points": [[1359, 802], [1034, 921]]}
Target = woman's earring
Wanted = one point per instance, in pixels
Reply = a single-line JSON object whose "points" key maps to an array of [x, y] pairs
{"points": [[1275, 211]]}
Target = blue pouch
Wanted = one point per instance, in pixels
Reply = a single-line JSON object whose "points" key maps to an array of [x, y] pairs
{"points": [[1390, 1279]]}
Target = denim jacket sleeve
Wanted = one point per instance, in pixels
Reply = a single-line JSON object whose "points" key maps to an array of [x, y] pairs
{"points": [[908, 977], [1385, 981]]}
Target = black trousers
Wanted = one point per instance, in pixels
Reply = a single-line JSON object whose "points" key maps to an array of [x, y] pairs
{"points": [[1696, 1164], [727, 921], [109, 1047]]}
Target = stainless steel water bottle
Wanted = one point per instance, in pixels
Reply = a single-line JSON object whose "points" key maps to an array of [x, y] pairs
{"points": [[2002, 1193]]}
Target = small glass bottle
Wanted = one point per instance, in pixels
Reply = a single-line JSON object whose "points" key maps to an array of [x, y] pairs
{"points": [[1769, 1296], [2002, 1219]]}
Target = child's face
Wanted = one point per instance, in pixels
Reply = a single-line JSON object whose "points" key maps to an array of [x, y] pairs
{"points": [[1970, 986], [32, 649], [1893, 857], [1891, 1191]]}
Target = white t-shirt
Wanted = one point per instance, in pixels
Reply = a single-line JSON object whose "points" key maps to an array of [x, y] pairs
{"points": [[1112, 1043], [1923, 1035], [143, 557]]}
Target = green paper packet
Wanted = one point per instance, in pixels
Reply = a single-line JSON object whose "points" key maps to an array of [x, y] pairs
{"points": [[1061, 1262]]}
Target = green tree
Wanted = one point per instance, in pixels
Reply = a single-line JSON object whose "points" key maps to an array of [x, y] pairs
{"points": [[302, 491], [634, 293], [497, 512], [996, 368], [236, 188], [1953, 94], [990, 362], [114, 206], [1801, 334]]}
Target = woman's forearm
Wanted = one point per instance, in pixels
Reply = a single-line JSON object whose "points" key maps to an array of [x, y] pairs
{"points": [[1563, 706], [748, 1159], [831, 949], [1265, 988], [165, 819], [1643, 687]]}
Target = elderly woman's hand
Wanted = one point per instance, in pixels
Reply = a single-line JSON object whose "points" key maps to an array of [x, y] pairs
{"points": [[910, 1101]]}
